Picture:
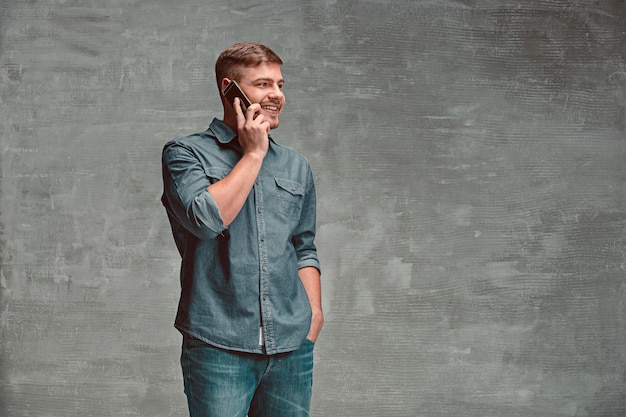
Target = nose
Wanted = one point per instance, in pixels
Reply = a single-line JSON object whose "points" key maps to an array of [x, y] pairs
{"points": [[276, 92]]}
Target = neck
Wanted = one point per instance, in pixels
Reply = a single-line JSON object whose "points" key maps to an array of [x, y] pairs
{"points": [[230, 122]]}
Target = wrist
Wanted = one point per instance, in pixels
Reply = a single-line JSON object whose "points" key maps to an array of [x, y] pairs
{"points": [[317, 316], [254, 155]]}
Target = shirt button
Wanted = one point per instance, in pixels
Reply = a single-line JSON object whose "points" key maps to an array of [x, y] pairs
{"points": [[265, 267]]}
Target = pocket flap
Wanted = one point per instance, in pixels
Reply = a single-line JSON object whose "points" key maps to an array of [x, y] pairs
{"points": [[290, 186]]}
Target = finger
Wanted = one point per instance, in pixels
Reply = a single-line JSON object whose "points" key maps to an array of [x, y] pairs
{"points": [[259, 118], [253, 111], [263, 123], [239, 115]]}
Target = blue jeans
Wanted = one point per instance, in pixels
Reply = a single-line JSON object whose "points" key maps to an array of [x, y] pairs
{"points": [[222, 383]]}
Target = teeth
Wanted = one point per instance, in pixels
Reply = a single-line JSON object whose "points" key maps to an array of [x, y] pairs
{"points": [[272, 108]]}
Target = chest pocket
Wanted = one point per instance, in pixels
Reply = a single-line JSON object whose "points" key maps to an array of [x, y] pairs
{"points": [[290, 195]]}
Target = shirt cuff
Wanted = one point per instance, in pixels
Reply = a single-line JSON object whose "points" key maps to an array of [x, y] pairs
{"points": [[208, 214], [303, 263]]}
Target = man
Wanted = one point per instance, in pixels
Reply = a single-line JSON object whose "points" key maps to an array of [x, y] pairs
{"points": [[242, 212]]}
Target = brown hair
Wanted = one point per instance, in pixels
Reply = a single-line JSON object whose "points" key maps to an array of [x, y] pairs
{"points": [[240, 55]]}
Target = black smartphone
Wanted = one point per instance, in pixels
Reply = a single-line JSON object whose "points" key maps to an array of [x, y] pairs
{"points": [[231, 91]]}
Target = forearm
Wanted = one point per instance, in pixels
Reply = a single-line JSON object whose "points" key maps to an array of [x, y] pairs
{"points": [[231, 192], [310, 277]]}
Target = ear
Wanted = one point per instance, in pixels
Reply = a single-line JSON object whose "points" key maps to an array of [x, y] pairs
{"points": [[224, 83]]}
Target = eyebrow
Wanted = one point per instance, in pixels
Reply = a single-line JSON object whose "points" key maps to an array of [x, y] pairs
{"points": [[269, 79]]}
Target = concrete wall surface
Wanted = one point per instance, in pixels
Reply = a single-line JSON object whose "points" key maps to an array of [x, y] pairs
{"points": [[470, 162]]}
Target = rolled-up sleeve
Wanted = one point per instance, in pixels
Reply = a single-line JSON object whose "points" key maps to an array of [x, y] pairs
{"points": [[304, 236], [185, 194]]}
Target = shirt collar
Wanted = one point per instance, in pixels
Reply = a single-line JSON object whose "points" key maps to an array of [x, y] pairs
{"points": [[222, 132]]}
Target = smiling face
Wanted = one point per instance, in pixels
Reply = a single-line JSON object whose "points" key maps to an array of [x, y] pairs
{"points": [[262, 84]]}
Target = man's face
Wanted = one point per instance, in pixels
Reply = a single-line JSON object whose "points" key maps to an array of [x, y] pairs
{"points": [[264, 85]]}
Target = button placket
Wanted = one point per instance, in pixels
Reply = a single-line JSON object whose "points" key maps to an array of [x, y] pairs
{"points": [[266, 315]]}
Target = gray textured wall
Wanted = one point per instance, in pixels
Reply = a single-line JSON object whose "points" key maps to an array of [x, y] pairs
{"points": [[470, 164]]}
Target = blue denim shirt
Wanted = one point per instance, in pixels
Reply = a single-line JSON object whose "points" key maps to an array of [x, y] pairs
{"points": [[238, 279]]}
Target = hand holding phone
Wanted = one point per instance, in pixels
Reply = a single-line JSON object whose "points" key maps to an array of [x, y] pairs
{"points": [[253, 133]]}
